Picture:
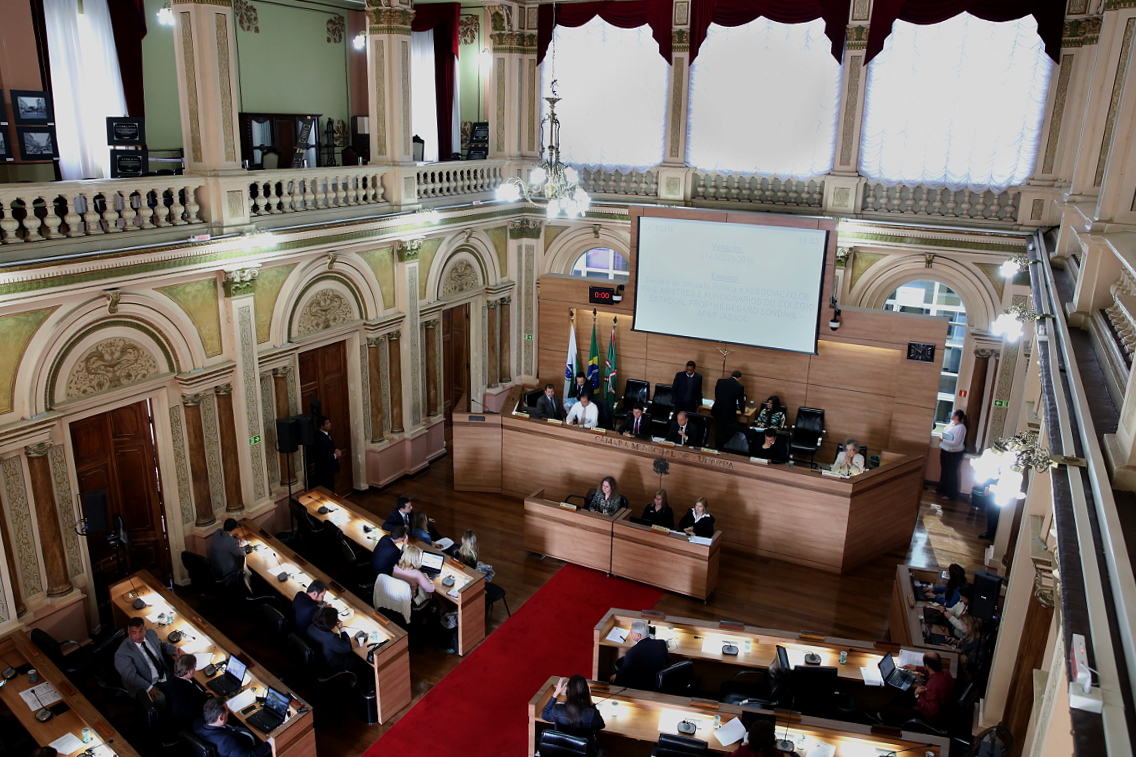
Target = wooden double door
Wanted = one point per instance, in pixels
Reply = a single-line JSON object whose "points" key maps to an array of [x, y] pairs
{"points": [[324, 391], [455, 361]]}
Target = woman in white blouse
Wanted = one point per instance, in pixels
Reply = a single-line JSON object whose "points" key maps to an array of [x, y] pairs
{"points": [[849, 461], [952, 444]]}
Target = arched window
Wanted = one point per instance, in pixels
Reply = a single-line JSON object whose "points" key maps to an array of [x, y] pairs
{"points": [[602, 263], [933, 298]]}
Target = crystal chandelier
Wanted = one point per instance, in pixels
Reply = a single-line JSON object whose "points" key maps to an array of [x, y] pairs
{"points": [[550, 184]]}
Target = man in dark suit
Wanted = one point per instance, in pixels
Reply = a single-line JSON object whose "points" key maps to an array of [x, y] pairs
{"points": [[142, 664], [773, 447], [548, 406], [400, 515], [388, 551], [327, 456], [637, 424], [639, 668], [305, 604], [185, 696], [226, 553], [729, 400], [229, 741], [683, 432], [583, 386], [333, 644], [686, 392]]}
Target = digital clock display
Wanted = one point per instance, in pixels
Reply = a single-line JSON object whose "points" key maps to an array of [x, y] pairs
{"points": [[601, 295]]}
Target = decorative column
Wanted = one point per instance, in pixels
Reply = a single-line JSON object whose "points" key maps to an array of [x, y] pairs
{"points": [[675, 177], [491, 352], [10, 559], [47, 518], [198, 465], [408, 294], [388, 86], [238, 309], [504, 355], [524, 238], [375, 345], [394, 358], [283, 410], [230, 463], [429, 357], [514, 82], [976, 394]]}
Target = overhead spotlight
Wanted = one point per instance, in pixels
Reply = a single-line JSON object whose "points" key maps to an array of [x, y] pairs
{"points": [[166, 14], [359, 41], [1011, 267]]}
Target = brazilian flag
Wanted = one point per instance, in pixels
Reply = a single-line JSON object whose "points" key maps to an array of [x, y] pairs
{"points": [[593, 373]]}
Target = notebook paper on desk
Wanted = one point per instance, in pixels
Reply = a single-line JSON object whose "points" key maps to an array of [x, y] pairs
{"points": [[45, 692], [444, 543], [703, 540], [617, 634], [910, 657], [871, 676], [241, 701], [68, 743], [731, 732]]}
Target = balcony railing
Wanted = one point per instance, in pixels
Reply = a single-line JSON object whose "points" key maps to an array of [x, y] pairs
{"points": [[758, 190], [631, 184], [298, 190], [941, 202], [458, 178]]}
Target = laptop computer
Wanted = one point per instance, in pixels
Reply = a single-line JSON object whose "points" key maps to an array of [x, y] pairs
{"points": [[432, 564], [231, 681], [273, 713], [893, 676]]}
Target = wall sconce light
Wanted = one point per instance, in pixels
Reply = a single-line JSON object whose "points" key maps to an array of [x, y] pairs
{"points": [[1009, 324], [1010, 268], [432, 216], [1005, 462], [359, 41], [166, 14], [256, 239]]}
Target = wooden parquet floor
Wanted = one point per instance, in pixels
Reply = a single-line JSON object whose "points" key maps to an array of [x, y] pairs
{"points": [[750, 589]]}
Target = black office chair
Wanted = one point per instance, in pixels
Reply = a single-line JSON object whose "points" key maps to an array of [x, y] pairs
{"points": [[962, 711], [635, 392], [747, 687], [699, 422], [192, 745], [529, 400], [808, 433], [559, 744], [302, 655], [272, 619], [741, 443], [72, 663], [661, 409], [493, 593], [670, 745], [677, 679], [814, 690], [310, 528], [603, 413], [202, 578], [995, 741]]}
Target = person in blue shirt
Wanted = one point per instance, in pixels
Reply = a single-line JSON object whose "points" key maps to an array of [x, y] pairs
{"points": [[229, 741], [577, 716], [948, 595]]}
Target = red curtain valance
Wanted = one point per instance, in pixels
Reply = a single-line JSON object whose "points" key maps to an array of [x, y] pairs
{"points": [[1050, 15], [738, 12], [444, 17], [626, 14]]}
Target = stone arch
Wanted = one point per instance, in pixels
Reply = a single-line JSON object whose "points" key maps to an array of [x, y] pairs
{"points": [[477, 251], [561, 255], [341, 294], [975, 290]]}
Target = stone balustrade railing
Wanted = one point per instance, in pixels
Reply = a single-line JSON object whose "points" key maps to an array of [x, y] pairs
{"points": [[631, 184], [69, 209], [758, 190], [458, 178], [1121, 314], [296, 190], [941, 202]]}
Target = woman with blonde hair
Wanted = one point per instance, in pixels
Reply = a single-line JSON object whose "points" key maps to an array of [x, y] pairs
{"points": [[408, 569], [469, 553], [698, 521]]}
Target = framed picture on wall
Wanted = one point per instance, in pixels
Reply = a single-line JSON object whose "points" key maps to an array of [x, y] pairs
{"points": [[3, 112], [30, 107], [122, 132], [5, 145], [37, 142], [125, 163]]}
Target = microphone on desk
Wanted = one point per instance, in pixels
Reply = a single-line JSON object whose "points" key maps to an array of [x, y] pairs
{"points": [[42, 714], [9, 672], [484, 409]]}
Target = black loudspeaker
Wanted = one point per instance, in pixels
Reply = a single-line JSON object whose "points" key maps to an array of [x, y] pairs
{"points": [[95, 510], [306, 430], [287, 435], [983, 602]]}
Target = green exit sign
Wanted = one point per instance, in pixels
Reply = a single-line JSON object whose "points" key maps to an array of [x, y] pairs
{"points": [[254, 440], [528, 337], [1001, 403]]}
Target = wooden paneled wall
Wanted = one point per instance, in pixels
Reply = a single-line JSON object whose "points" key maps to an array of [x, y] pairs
{"points": [[860, 377]]}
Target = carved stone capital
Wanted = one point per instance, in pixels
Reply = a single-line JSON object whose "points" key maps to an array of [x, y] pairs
{"points": [[492, 304], [433, 324], [376, 341], [842, 255], [112, 296], [982, 352], [407, 249], [240, 282], [525, 228], [224, 389], [386, 20], [283, 371], [393, 336], [517, 43], [39, 449], [190, 400], [506, 300]]}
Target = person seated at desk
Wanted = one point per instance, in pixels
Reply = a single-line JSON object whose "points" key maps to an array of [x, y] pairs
{"points": [[684, 433], [469, 555], [142, 664], [330, 641], [760, 741], [229, 741], [659, 512], [606, 498], [639, 668], [577, 716], [548, 406], [582, 387], [306, 602], [637, 424], [774, 448], [409, 570], [932, 697], [420, 529], [698, 521], [584, 413], [227, 553], [770, 415], [401, 514], [185, 696], [948, 595], [969, 644], [388, 551], [849, 461]]}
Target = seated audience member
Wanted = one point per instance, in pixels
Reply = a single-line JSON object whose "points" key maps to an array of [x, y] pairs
{"points": [[959, 610], [659, 512], [228, 740], [640, 666], [577, 716], [548, 406], [184, 695], [637, 424], [932, 698], [420, 529], [409, 570], [388, 551], [948, 595], [142, 662], [227, 553], [849, 461], [760, 741], [401, 515], [584, 413], [684, 433], [969, 643], [606, 498], [698, 521], [305, 604], [773, 448], [770, 415], [582, 387], [333, 644], [469, 555]]}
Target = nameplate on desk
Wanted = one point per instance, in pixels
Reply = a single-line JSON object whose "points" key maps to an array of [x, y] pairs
{"points": [[518, 414], [830, 474], [733, 625], [480, 418], [661, 529], [759, 460], [554, 421], [707, 451], [665, 443], [299, 560], [568, 506], [599, 431]]}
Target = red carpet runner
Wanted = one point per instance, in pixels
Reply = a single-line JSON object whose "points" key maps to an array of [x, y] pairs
{"points": [[480, 709]]}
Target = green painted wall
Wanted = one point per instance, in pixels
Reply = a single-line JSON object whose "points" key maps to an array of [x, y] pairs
{"points": [[159, 78]]}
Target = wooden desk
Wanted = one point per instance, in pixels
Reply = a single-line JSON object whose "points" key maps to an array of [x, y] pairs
{"points": [[295, 737], [391, 662], [467, 594], [577, 536], [16, 649], [667, 560], [643, 716], [905, 614], [745, 419], [702, 640], [792, 514]]}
